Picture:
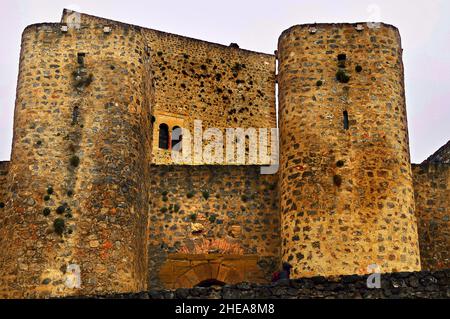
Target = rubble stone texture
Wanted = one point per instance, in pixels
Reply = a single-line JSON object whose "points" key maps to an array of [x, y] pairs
{"points": [[431, 186], [89, 187], [416, 285], [347, 199]]}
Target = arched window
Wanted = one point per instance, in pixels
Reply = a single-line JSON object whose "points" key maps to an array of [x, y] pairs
{"points": [[177, 138], [346, 121], [164, 136]]}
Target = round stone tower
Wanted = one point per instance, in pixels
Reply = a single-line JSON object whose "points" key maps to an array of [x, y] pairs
{"points": [[347, 201], [75, 222]]}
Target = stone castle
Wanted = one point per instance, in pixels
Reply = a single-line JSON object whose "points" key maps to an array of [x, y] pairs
{"points": [[91, 182]]}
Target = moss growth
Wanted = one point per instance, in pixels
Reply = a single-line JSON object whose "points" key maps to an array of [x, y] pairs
{"points": [[75, 161], [164, 210], [165, 193], [341, 64], [50, 190], [46, 211], [83, 80], [205, 195], [191, 194], [212, 218], [337, 180], [46, 198], [342, 76], [176, 208], [165, 199], [237, 67], [193, 217], [59, 226]]}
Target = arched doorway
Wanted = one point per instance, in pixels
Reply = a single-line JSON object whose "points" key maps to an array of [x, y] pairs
{"points": [[187, 271]]}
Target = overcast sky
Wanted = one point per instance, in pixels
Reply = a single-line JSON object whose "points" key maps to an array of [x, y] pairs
{"points": [[256, 25]]}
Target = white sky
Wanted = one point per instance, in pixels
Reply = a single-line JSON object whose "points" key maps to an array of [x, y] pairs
{"points": [[256, 25]]}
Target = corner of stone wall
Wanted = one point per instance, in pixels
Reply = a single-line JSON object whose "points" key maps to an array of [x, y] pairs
{"points": [[432, 198]]}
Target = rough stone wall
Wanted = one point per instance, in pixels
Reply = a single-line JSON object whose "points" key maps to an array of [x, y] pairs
{"points": [[441, 156], [80, 150], [432, 194], [189, 270], [224, 87], [213, 209], [4, 167], [419, 285], [346, 194]]}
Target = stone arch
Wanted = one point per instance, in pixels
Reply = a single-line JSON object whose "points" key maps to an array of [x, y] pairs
{"points": [[187, 271], [228, 274]]}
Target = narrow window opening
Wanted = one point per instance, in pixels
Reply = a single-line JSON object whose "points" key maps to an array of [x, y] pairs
{"points": [[342, 57], [75, 115], [80, 58], [164, 137], [177, 138], [346, 121]]}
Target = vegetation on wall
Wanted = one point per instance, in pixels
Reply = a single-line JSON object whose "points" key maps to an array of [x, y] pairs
{"points": [[75, 161], [342, 76], [59, 226]]}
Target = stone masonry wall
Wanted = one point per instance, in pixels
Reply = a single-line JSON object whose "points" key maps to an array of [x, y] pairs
{"points": [[222, 86], [85, 185], [4, 167], [213, 209], [79, 163], [440, 156], [418, 285], [346, 186], [432, 194]]}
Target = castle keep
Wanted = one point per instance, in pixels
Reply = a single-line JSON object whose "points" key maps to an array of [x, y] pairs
{"points": [[91, 181]]}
